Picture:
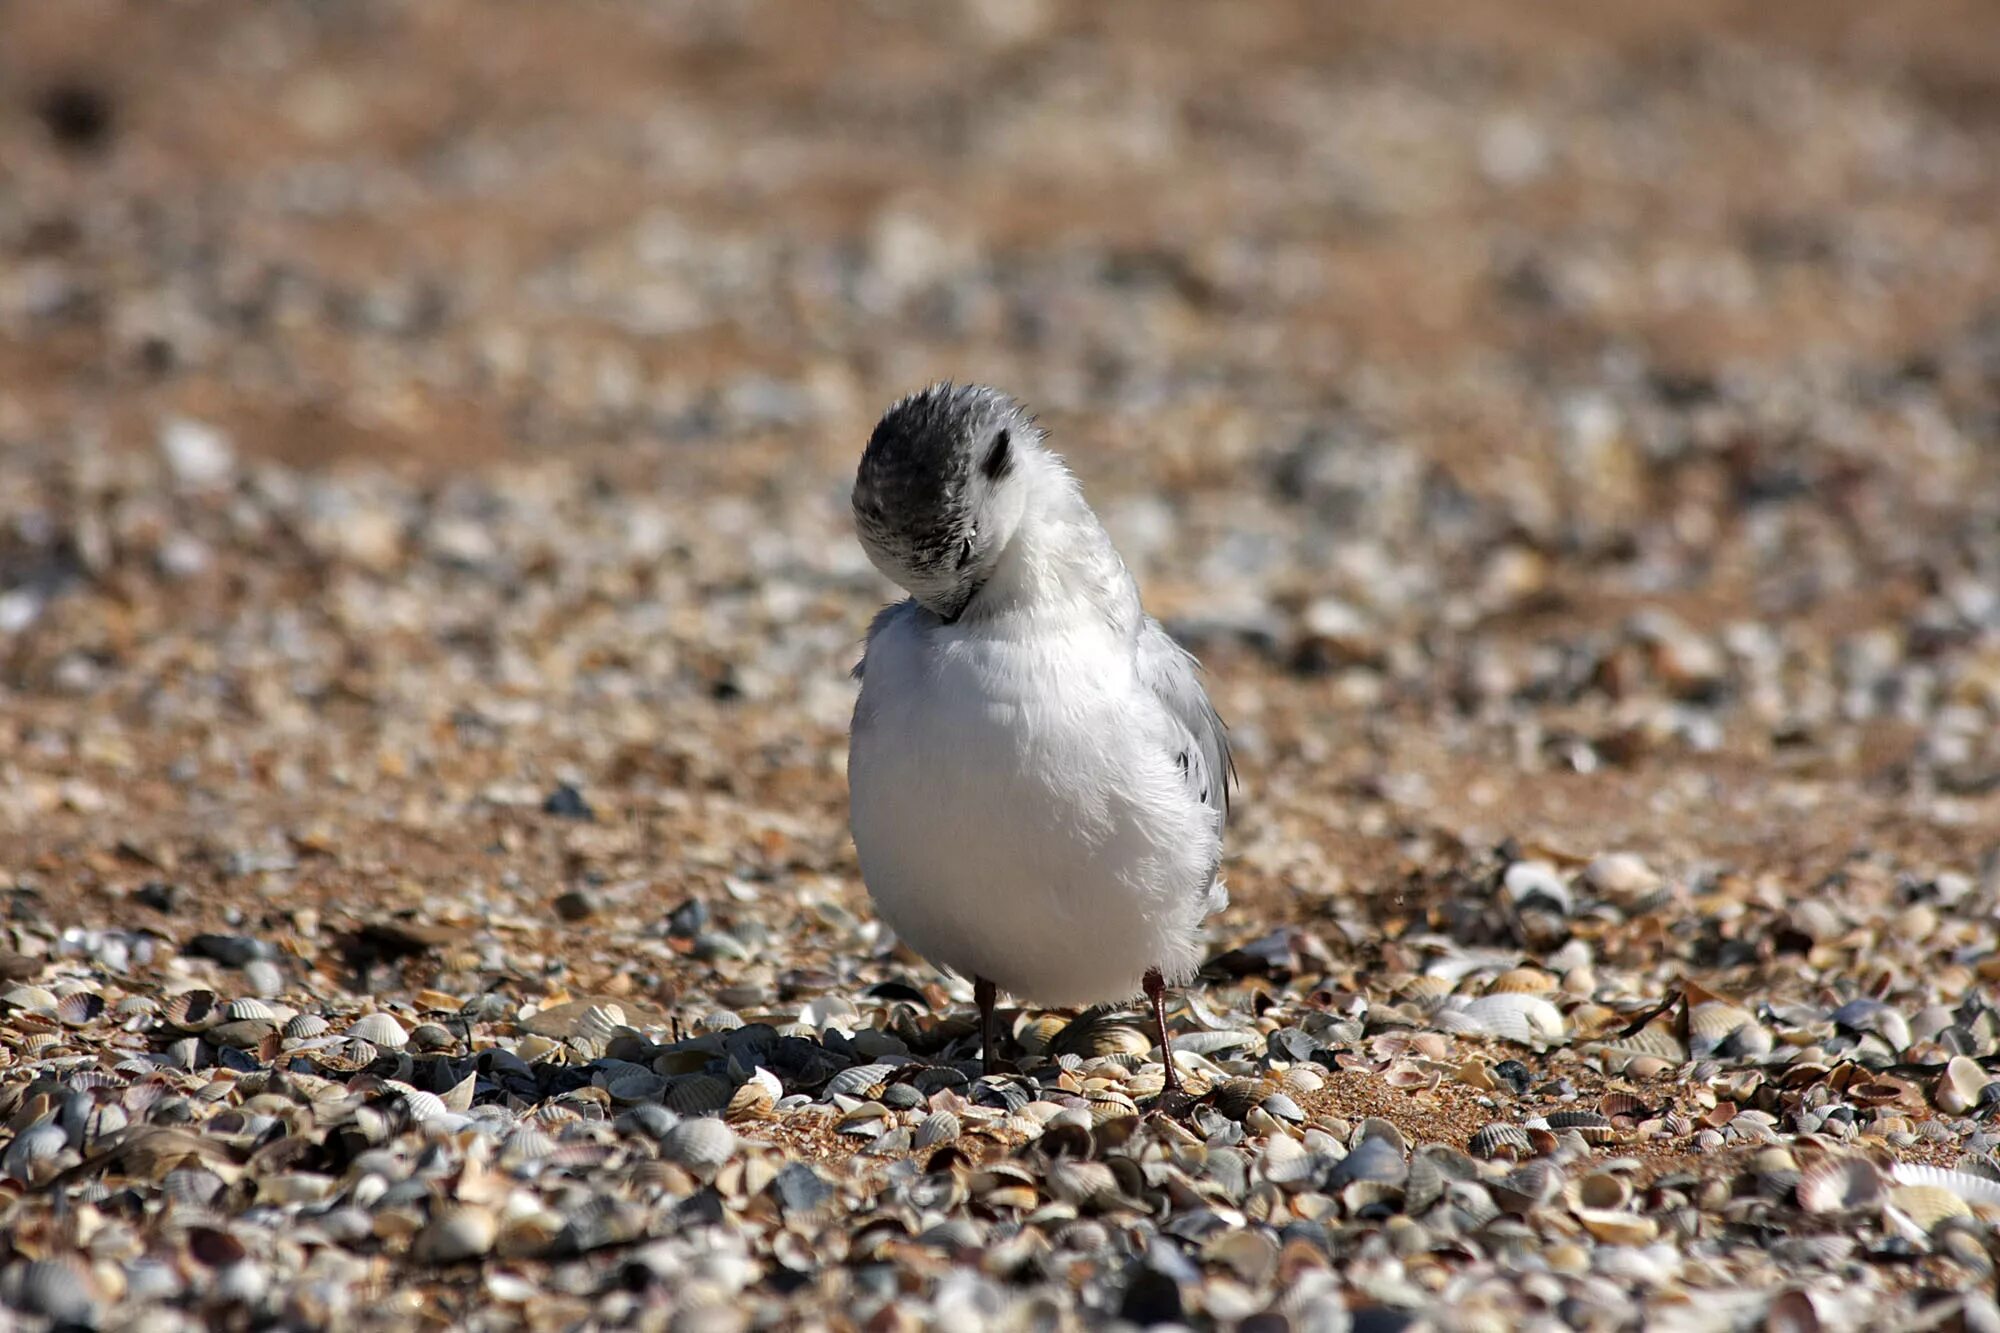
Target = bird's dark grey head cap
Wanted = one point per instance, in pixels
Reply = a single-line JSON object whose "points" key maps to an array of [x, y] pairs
{"points": [[917, 485]]}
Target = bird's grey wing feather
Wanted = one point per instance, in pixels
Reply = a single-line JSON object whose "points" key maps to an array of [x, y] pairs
{"points": [[1174, 677], [883, 619]]}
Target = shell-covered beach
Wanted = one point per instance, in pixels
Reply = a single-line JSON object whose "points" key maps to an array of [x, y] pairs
{"points": [[1570, 438]]}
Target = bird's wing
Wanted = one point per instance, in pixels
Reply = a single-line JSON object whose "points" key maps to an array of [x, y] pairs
{"points": [[887, 616], [1174, 677]]}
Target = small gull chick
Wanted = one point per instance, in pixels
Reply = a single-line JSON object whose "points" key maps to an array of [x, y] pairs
{"points": [[1039, 783]]}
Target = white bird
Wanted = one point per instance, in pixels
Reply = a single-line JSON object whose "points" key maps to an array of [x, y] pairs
{"points": [[1038, 781]]}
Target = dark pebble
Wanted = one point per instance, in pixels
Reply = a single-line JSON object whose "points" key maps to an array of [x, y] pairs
{"points": [[1381, 1319], [1153, 1295], [566, 802], [159, 896], [228, 950], [688, 920], [896, 991], [576, 905], [78, 116]]}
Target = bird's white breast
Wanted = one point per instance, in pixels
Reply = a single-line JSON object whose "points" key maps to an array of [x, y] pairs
{"points": [[1019, 814]]}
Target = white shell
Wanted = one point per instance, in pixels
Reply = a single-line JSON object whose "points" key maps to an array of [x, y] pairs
{"points": [[937, 1127], [701, 1145], [1510, 1015], [1971, 1188], [380, 1030]]}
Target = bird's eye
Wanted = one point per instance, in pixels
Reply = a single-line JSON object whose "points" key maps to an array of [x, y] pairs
{"points": [[965, 553]]}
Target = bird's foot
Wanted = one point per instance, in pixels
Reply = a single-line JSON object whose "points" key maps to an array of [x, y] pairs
{"points": [[1176, 1102]]}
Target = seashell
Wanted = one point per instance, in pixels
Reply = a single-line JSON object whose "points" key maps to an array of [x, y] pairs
{"points": [[1375, 1127], [250, 1007], [1836, 1184], [891, 1142], [1873, 1016], [245, 1035], [1511, 1016], [1712, 1022], [62, 1290], [191, 1186], [79, 1007], [1928, 1205], [1284, 1108], [1500, 1139], [456, 1233], [858, 1080], [1083, 1184], [1526, 1187], [192, 1010], [1981, 1190], [1621, 877], [936, 1128], [1602, 1190], [1591, 1126], [1618, 1228], [1375, 1158], [1237, 1097], [1535, 885], [1798, 1310], [600, 1022], [1958, 1088], [526, 1144], [1877, 1091], [424, 1105], [1214, 1042], [1252, 1255], [1405, 1075], [1773, 1159], [1300, 1080], [536, 1049], [1526, 980], [354, 1054], [300, 1027], [528, 1235], [1034, 1034], [379, 1030], [1472, 1201], [32, 1156], [432, 1037], [294, 1187], [1623, 1104], [701, 1145], [1286, 1161], [1423, 992], [31, 999], [903, 1096], [698, 1094], [751, 1101], [1095, 1035], [1477, 1074], [636, 1086]]}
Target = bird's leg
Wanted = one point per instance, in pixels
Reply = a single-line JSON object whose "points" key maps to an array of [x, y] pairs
{"points": [[985, 994], [1156, 991]]}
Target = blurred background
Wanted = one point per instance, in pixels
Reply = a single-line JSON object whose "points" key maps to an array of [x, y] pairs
{"points": [[1569, 421]]}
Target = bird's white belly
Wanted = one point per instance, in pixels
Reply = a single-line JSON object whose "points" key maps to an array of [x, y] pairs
{"points": [[1017, 820]]}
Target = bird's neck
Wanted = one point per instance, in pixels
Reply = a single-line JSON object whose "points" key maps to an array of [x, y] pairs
{"points": [[1060, 567]]}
